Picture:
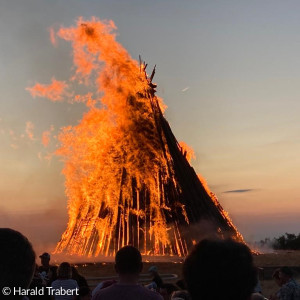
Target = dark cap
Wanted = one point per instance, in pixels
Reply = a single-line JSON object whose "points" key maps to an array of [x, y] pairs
{"points": [[45, 255]]}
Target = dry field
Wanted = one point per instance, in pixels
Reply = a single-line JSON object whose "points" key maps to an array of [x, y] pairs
{"points": [[268, 261]]}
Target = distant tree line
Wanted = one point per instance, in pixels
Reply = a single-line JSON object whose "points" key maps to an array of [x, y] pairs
{"points": [[287, 241]]}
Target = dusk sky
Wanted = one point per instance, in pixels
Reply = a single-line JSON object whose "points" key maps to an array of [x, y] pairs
{"points": [[229, 72]]}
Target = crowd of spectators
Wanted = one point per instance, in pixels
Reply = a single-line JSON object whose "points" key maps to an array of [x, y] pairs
{"points": [[214, 270]]}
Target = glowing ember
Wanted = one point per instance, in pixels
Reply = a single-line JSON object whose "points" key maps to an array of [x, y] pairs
{"points": [[127, 178]]}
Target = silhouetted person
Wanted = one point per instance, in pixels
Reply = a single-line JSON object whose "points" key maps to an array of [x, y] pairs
{"points": [[220, 270], [257, 288], [81, 281], [17, 262], [37, 280], [166, 290], [278, 281], [276, 277], [102, 285], [39, 283], [45, 265], [52, 274], [181, 284], [84, 293], [64, 281], [290, 288], [180, 295], [128, 265], [155, 277], [257, 296]]}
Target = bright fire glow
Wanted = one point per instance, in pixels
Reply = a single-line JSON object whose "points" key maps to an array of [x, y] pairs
{"points": [[119, 170]]}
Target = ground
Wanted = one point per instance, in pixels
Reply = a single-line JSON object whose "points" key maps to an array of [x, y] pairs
{"points": [[267, 261]]}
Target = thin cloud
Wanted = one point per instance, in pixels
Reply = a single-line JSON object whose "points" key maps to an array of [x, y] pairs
{"points": [[238, 191]]}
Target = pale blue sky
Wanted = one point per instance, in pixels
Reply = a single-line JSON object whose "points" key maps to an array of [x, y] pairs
{"points": [[241, 63]]}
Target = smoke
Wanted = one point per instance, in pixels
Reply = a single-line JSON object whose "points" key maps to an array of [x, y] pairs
{"points": [[41, 227], [204, 229], [261, 249]]}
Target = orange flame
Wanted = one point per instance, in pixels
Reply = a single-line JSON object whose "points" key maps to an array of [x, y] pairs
{"points": [[187, 151], [29, 130], [111, 144], [224, 213], [118, 167], [54, 91], [52, 36], [46, 135]]}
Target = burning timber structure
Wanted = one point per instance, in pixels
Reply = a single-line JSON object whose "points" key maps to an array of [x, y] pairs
{"points": [[166, 221], [128, 180]]}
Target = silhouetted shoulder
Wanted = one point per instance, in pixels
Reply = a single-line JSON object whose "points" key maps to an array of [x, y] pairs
{"points": [[127, 292]]}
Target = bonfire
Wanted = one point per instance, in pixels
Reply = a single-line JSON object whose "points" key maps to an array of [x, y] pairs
{"points": [[128, 180]]}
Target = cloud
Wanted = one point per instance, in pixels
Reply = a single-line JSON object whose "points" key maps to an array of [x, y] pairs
{"points": [[185, 89], [238, 191]]}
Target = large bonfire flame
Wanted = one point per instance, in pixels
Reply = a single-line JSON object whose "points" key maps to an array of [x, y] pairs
{"points": [[128, 180]]}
